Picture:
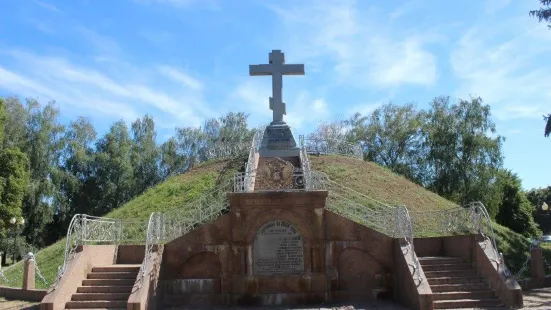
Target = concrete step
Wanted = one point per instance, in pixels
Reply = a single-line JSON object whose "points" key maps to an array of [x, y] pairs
{"points": [[100, 296], [439, 260], [112, 275], [450, 273], [439, 288], [117, 268], [467, 303], [96, 304], [454, 280], [104, 289], [108, 282], [482, 294], [435, 267]]}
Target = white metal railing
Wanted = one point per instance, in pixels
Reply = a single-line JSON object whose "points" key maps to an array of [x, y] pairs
{"points": [[404, 231], [296, 179], [85, 229], [330, 147], [471, 218]]}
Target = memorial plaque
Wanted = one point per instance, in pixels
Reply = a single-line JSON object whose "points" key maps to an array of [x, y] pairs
{"points": [[278, 249]]}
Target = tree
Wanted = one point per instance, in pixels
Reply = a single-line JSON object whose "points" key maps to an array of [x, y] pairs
{"points": [[114, 174], [543, 13], [463, 150], [537, 197], [16, 117], [14, 179], [76, 190], [2, 121], [145, 154], [171, 161], [392, 136], [43, 145], [515, 210]]}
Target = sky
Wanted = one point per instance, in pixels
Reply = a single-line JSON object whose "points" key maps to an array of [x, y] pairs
{"points": [[184, 61]]}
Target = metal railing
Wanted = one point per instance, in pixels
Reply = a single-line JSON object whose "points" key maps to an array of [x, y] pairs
{"points": [[472, 218], [330, 147], [404, 231], [293, 179], [86, 230]]}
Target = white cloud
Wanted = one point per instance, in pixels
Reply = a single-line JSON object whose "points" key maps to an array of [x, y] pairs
{"points": [[48, 6], [179, 76], [363, 50], [92, 89], [505, 66]]}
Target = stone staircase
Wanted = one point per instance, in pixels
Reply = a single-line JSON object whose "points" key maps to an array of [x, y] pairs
{"points": [[106, 287], [455, 284]]}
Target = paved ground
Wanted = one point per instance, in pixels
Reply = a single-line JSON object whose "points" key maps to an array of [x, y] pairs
{"points": [[539, 299]]}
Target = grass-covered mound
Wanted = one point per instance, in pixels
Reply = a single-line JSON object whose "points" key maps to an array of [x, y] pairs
{"points": [[368, 178]]}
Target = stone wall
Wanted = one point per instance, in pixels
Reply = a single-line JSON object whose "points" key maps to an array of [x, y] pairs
{"points": [[328, 257]]}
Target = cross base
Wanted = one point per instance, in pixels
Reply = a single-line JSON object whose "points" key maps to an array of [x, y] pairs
{"points": [[278, 141]]}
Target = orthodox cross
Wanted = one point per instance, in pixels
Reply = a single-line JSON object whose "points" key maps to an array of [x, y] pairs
{"points": [[276, 68]]}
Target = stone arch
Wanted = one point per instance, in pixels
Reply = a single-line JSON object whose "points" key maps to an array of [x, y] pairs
{"points": [[204, 265], [358, 271], [293, 218]]}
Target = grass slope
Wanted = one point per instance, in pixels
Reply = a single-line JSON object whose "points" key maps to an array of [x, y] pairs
{"points": [[386, 186], [365, 177]]}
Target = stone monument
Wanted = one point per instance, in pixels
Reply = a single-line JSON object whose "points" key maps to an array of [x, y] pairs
{"points": [[278, 139]]}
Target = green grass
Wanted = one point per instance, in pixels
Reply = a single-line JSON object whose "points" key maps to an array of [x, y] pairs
{"points": [[176, 193]]}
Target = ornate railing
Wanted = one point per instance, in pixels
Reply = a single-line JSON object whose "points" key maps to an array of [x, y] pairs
{"points": [[361, 208], [292, 179], [153, 239], [404, 231], [469, 219], [330, 147], [85, 229]]}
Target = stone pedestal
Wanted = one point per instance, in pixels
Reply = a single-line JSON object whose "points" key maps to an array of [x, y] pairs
{"points": [[28, 275], [538, 270], [278, 141]]}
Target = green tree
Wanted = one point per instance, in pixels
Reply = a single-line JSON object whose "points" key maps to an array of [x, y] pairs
{"points": [[16, 117], [515, 210], [76, 190], [14, 180], [537, 197], [392, 136], [43, 145], [544, 12], [463, 151], [2, 121], [114, 174], [145, 154], [171, 161]]}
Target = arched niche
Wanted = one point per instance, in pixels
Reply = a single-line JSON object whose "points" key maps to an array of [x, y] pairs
{"points": [[358, 271], [204, 265]]}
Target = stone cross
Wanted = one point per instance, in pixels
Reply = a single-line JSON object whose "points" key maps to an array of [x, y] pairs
{"points": [[276, 68]]}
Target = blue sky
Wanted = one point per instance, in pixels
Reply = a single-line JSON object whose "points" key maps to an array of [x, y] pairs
{"points": [[186, 60]]}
